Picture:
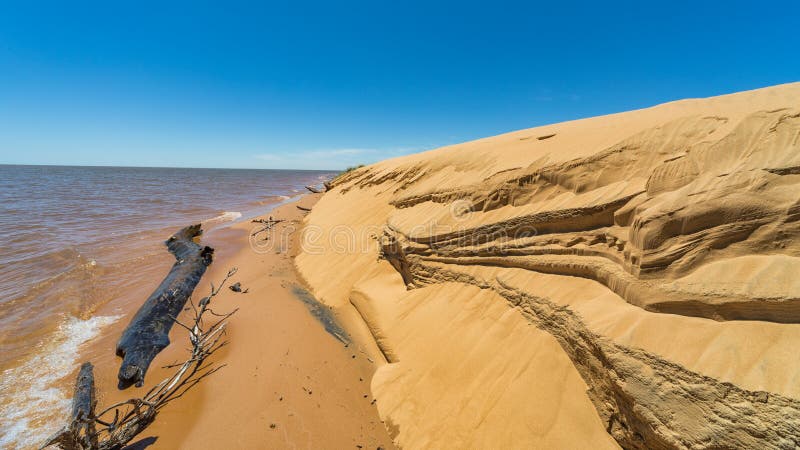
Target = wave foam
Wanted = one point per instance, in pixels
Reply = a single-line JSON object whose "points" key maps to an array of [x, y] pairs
{"points": [[32, 407], [227, 216]]}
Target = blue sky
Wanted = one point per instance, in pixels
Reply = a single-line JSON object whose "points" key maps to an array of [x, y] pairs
{"points": [[330, 84]]}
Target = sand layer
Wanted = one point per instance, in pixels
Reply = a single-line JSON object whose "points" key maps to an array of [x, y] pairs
{"points": [[626, 280]]}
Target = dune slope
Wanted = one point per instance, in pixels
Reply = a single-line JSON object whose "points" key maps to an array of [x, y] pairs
{"points": [[624, 280]]}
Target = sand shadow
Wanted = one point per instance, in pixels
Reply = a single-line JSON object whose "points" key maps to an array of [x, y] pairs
{"points": [[141, 444]]}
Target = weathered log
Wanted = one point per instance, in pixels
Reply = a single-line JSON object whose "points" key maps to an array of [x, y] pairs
{"points": [[80, 433], [314, 190], [84, 400], [328, 185], [303, 208], [148, 332]]}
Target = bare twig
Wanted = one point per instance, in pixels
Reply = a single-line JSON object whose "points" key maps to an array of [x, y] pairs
{"points": [[270, 220], [119, 423], [268, 224]]}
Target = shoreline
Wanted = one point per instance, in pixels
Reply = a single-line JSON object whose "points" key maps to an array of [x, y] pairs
{"points": [[286, 380], [96, 257]]}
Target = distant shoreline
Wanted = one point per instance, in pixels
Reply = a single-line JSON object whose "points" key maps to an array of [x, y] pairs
{"points": [[171, 167]]}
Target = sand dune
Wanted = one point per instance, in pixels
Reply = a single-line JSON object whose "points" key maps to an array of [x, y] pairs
{"points": [[626, 280]]}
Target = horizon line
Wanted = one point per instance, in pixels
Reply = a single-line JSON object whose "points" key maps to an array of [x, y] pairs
{"points": [[161, 167]]}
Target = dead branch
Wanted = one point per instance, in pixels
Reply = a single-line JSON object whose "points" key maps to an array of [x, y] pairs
{"points": [[268, 224], [267, 221], [119, 423], [303, 208], [315, 190]]}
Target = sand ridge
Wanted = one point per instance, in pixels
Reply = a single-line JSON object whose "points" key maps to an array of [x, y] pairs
{"points": [[648, 251]]}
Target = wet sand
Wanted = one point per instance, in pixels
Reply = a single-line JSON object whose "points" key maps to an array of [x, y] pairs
{"points": [[295, 375]]}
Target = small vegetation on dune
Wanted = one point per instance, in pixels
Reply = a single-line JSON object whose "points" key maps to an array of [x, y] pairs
{"points": [[347, 170], [352, 168]]}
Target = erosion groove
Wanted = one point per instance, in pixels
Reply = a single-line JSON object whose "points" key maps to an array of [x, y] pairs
{"points": [[564, 220], [651, 403], [646, 401], [646, 294], [599, 265], [436, 197], [795, 170]]}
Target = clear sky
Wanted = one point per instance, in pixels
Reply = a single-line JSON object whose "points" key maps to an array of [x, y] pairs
{"points": [[324, 85]]}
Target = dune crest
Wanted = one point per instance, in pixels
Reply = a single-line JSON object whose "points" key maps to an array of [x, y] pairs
{"points": [[620, 280]]}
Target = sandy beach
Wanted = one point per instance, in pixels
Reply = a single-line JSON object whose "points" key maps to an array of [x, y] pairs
{"points": [[287, 382], [620, 281]]}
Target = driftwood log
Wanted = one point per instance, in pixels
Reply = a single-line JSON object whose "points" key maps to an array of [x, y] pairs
{"points": [[315, 190], [148, 332], [118, 424], [303, 208], [80, 433]]}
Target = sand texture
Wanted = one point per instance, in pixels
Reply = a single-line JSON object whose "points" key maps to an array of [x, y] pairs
{"points": [[293, 377], [626, 280]]}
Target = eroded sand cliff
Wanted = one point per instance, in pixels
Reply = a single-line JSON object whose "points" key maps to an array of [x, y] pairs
{"points": [[626, 280]]}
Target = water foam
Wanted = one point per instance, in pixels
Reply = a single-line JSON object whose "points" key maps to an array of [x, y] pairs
{"points": [[227, 216], [32, 407]]}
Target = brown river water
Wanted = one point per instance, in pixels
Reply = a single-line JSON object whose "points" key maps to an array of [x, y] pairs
{"points": [[77, 244]]}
